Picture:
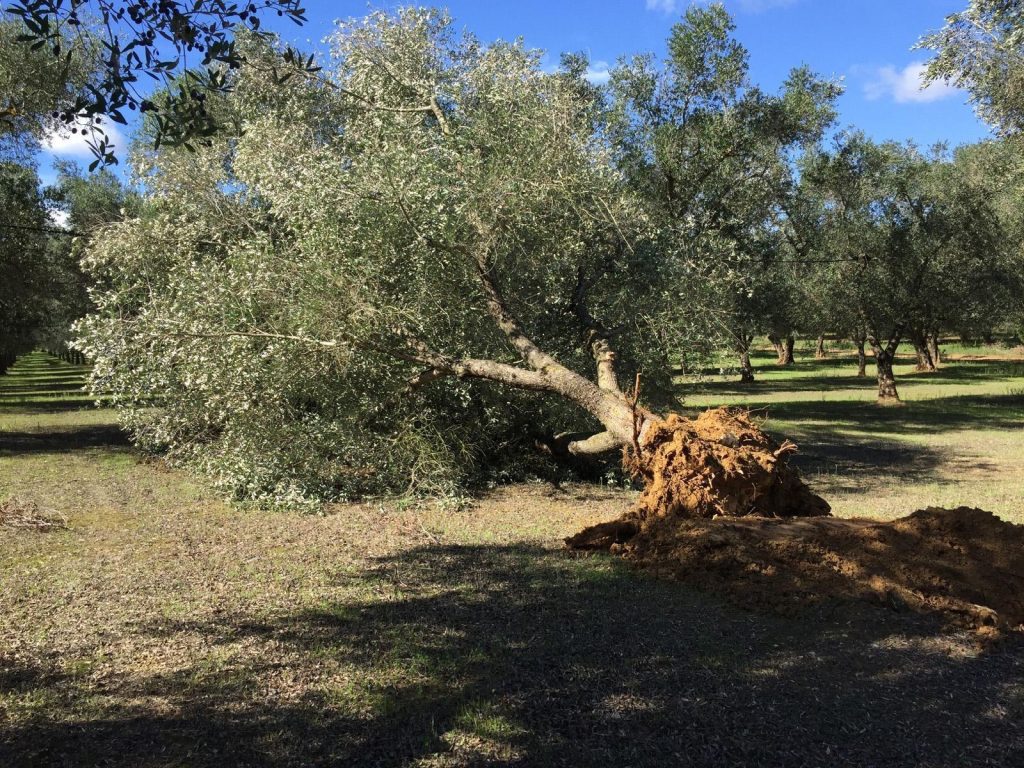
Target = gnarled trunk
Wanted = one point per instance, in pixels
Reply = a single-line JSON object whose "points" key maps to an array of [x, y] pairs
{"points": [[862, 358], [819, 349], [779, 347], [783, 348], [742, 346], [925, 363], [746, 369], [933, 349], [884, 357]]}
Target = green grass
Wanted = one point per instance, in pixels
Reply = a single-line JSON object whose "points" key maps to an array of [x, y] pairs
{"points": [[43, 382], [167, 628], [955, 441]]}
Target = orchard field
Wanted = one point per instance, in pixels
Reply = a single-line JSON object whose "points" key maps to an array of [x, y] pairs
{"points": [[157, 625], [420, 398]]}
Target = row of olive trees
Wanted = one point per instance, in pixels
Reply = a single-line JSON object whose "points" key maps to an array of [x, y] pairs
{"points": [[42, 289], [885, 244]]}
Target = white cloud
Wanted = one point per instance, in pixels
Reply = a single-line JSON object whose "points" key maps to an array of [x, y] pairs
{"points": [[61, 141], [673, 7], [905, 85], [598, 73], [59, 218]]}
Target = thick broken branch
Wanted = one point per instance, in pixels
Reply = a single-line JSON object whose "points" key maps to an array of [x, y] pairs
{"points": [[597, 336]]}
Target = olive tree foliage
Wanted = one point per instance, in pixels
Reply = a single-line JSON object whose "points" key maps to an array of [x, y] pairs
{"points": [[981, 49], [710, 156], [906, 242], [186, 47], [36, 89], [394, 274], [24, 277], [997, 168]]}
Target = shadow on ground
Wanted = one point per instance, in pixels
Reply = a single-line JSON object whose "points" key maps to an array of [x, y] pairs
{"points": [[805, 376], [487, 655], [913, 417], [57, 440]]}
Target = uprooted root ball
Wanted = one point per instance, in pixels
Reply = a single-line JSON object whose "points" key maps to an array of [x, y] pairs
{"points": [[720, 463]]}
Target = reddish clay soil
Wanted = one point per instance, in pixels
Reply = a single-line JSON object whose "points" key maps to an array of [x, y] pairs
{"points": [[719, 463], [722, 510], [964, 564]]}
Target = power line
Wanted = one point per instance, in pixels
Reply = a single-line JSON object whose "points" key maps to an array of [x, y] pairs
{"points": [[51, 230]]}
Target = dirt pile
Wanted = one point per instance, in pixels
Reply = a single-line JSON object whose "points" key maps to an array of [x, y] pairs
{"points": [[720, 463], [965, 564]]}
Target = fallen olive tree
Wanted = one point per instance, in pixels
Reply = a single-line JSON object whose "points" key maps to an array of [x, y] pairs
{"points": [[318, 302]]}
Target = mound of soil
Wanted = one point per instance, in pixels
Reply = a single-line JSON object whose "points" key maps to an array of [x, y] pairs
{"points": [[965, 564], [720, 463]]}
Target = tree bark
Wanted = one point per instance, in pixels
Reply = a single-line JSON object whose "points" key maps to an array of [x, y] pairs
{"points": [[779, 347], [743, 343], [819, 349], [789, 344], [921, 350], [862, 358], [933, 349], [746, 369], [884, 357]]}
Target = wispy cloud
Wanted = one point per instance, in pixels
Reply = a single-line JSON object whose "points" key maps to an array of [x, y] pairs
{"points": [[598, 72], [62, 142], [748, 6], [906, 85], [59, 218]]}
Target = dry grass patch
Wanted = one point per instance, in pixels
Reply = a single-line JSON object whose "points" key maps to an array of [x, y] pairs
{"points": [[25, 514]]}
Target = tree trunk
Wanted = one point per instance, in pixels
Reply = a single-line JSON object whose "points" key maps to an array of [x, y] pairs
{"points": [[862, 358], [746, 369], [924, 356], [790, 343], [886, 379], [933, 349], [779, 347], [819, 349], [743, 349]]}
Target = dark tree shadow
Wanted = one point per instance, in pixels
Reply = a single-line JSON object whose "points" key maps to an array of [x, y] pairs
{"points": [[566, 662], [57, 440], [914, 417]]}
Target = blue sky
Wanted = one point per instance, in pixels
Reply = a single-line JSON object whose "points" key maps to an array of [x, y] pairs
{"points": [[866, 42]]}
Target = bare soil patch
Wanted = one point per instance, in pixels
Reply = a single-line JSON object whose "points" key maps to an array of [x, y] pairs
{"points": [[965, 564]]}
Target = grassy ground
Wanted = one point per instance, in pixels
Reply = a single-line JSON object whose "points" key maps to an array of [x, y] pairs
{"points": [[165, 628], [955, 441]]}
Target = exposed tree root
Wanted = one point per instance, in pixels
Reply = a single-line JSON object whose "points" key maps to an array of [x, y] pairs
{"points": [[773, 542], [720, 463]]}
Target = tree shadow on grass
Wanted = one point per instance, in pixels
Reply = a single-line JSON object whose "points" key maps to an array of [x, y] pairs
{"points": [[851, 462], [770, 380], [59, 440], [913, 417], [510, 655]]}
